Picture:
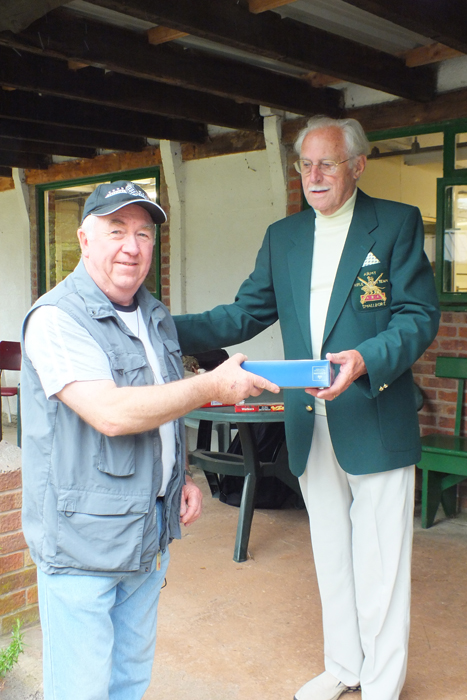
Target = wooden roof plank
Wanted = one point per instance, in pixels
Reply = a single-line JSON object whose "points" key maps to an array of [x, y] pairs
{"points": [[42, 109], [284, 40], [444, 22], [28, 71], [66, 35], [19, 145], [159, 35], [30, 130], [23, 160]]}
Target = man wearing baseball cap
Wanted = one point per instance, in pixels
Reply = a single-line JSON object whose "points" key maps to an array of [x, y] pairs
{"points": [[104, 484]]}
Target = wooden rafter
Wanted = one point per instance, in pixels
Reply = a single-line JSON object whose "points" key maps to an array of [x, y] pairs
{"points": [[285, 40], [443, 21], [65, 35], [433, 53], [257, 6], [159, 35], [46, 75], [27, 107]]}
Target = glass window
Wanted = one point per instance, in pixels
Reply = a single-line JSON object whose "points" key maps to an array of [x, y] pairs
{"points": [[406, 169], [461, 151], [63, 209], [455, 239]]}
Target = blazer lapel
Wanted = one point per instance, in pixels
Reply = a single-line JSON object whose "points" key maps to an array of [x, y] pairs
{"points": [[299, 259], [358, 244]]}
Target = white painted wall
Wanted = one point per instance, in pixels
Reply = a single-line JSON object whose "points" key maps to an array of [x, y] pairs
{"points": [[15, 267], [229, 205]]}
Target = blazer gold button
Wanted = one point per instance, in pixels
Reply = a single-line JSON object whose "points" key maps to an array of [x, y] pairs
{"points": [[309, 408]]}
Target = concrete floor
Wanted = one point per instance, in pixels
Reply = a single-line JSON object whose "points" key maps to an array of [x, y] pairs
{"points": [[252, 631]]}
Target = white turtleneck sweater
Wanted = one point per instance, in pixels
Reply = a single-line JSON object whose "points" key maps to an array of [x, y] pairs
{"points": [[330, 235]]}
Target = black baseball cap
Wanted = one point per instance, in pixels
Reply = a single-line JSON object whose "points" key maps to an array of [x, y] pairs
{"points": [[112, 196]]}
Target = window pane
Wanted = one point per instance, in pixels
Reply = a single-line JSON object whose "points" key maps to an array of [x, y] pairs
{"points": [[461, 151], [455, 240], [63, 213], [406, 169]]}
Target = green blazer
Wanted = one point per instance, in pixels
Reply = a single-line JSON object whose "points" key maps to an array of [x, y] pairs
{"points": [[383, 304]]}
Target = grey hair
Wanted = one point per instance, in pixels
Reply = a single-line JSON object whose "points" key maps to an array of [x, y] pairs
{"points": [[88, 226], [356, 141]]}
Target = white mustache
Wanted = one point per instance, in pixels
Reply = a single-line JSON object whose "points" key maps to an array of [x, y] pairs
{"points": [[318, 189]]}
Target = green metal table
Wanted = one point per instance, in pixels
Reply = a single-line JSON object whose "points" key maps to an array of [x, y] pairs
{"points": [[247, 464]]}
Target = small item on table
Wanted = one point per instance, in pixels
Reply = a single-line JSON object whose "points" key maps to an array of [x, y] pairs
{"points": [[258, 407]]}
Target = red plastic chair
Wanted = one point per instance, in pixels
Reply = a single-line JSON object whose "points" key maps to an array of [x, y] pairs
{"points": [[10, 359]]}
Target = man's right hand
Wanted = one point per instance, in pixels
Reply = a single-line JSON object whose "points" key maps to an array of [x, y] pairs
{"points": [[233, 384]]}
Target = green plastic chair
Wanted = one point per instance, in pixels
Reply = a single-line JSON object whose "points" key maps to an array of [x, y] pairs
{"points": [[444, 457]]}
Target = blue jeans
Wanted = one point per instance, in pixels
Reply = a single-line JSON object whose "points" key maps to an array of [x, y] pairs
{"points": [[99, 633]]}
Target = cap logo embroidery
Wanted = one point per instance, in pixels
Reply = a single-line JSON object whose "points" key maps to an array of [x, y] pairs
{"points": [[128, 189]]}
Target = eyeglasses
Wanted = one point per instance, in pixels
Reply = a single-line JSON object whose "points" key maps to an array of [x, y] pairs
{"points": [[327, 167]]}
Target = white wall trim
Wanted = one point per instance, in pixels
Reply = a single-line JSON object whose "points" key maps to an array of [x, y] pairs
{"points": [[171, 154], [277, 159]]}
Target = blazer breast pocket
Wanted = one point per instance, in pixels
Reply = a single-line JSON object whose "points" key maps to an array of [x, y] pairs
{"points": [[371, 290]]}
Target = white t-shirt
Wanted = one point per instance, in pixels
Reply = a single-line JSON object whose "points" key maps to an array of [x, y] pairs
{"points": [[62, 351]]}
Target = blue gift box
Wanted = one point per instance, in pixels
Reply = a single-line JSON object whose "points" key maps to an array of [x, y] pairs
{"points": [[293, 374]]}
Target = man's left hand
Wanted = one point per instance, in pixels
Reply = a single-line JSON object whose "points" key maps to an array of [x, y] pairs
{"points": [[352, 367], [192, 502]]}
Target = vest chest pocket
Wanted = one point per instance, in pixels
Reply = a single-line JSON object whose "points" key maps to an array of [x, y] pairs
{"points": [[130, 369], [117, 455], [100, 531]]}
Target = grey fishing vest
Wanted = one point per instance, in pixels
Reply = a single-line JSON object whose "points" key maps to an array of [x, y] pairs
{"points": [[89, 501]]}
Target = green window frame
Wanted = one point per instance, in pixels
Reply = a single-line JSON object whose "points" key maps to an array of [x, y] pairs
{"points": [[41, 190], [452, 177]]}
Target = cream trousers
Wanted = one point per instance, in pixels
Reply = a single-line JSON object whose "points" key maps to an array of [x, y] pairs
{"points": [[361, 532]]}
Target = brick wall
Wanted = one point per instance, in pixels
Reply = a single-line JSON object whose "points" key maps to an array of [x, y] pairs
{"points": [[18, 588]]}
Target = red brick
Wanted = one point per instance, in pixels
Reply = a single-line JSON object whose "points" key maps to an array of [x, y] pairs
{"points": [[447, 423], [11, 500], [294, 209], [28, 616], [426, 420], [447, 331], [10, 522], [19, 579], [12, 602], [31, 595], [447, 396], [11, 562], [10, 481], [12, 543], [429, 395], [441, 383]]}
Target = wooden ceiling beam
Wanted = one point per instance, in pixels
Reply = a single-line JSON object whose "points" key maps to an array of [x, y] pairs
{"points": [[160, 35], [65, 35], [433, 53], [53, 111], [285, 40], [29, 130], [11, 159], [27, 71], [257, 6], [18, 145], [444, 22]]}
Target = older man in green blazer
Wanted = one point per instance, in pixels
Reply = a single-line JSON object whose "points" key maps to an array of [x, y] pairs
{"points": [[349, 281]]}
